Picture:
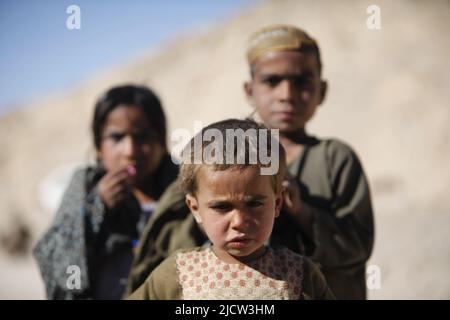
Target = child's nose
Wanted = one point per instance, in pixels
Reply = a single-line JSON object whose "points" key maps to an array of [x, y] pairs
{"points": [[286, 90], [239, 220], [129, 147]]}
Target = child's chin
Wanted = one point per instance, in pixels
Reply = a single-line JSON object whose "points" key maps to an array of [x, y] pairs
{"points": [[245, 255], [287, 127], [240, 253]]}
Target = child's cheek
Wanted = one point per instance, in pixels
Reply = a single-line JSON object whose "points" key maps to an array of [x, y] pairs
{"points": [[109, 157], [218, 230]]}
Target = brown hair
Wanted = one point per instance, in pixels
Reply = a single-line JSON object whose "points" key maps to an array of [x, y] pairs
{"points": [[191, 163]]}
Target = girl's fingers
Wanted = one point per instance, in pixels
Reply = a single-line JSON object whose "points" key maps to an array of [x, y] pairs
{"points": [[118, 189], [111, 179], [122, 178], [120, 197], [117, 195], [119, 175]]}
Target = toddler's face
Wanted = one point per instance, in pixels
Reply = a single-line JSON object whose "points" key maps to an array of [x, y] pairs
{"points": [[128, 139], [237, 209], [286, 89]]}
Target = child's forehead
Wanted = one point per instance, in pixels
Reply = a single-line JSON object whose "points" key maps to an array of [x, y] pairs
{"points": [[289, 62], [125, 115], [235, 179], [208, 171]]}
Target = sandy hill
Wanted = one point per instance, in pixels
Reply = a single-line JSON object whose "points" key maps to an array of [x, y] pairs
{"points": [[388, 98]]}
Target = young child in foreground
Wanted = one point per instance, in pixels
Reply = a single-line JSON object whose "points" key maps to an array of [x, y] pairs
{"points": [[235, 205]]}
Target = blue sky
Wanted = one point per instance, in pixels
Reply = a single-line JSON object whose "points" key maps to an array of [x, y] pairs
{"points": [[40, 55]]}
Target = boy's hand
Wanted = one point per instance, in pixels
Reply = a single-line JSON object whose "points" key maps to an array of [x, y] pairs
{"points": [[296, 208], [292, 197], [116, 186]]}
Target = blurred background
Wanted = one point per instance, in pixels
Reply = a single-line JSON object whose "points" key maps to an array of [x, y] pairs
{"points": [[388, 97]]}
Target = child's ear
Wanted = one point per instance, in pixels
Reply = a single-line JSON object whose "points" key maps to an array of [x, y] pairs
{"points": [[192, 203], [279, 202], [248, 89], [323, 90]]}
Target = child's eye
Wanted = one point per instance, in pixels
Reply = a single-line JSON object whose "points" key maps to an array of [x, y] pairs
{"points": [[221, 207], [142, 138], [116, 136], [302, 81], [254, 204], [272, 81]]}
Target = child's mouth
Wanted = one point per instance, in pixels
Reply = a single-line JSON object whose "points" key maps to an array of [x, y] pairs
{"points": [[131, 169], [285, 115], [239, 243]]}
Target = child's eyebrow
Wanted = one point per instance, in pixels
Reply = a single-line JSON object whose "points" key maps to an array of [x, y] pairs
{"points": [[113, 129], [217, 203], [116, 130], [246, 198], [112, 132], [255, 197], [304, 74]]}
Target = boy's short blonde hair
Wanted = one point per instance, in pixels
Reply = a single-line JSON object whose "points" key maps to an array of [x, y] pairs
{"points": [[190, 167], [281, 37]]}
